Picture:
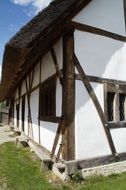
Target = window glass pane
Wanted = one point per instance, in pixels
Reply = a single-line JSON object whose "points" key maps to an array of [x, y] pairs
{"points": [[121, 106], [110, 106]]}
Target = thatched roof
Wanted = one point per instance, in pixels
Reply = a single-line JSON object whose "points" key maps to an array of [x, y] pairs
{"points": [[40, 32]]}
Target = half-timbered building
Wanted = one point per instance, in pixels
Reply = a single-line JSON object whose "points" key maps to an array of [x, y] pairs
{"points": [[64, 75]]}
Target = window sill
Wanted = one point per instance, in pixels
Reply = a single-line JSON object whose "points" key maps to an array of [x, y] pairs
{"points": [[115, 125], [52, 119]]}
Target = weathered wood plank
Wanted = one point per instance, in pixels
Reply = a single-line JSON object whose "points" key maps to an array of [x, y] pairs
{"points": [[101, 80], [93, 162], [57, 136], [68, 150]]}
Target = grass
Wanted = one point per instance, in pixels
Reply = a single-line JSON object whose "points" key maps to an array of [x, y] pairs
{"points": [[18, 171]]}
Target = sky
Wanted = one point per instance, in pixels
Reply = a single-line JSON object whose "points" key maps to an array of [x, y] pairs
{"points": [[13, 15]]}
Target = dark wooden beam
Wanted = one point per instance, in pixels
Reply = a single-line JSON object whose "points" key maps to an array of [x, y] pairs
{"points": [[101, 80], [68, 151], [28, 90], [94, 30], [40, 73], [97, 106], [55, 63], [124, 3], [93, 162], [57, 136], [38, 86]]}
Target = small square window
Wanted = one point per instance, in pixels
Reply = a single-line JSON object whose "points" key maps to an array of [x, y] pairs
{"points": [[115, 105]]}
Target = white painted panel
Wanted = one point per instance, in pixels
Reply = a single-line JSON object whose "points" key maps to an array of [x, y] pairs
{"points": [[58, 98], [15, 118], [36, 75], [107, 15], [101, 56], [48, 132], [20, 121], [16, 94], [23, 88], [59, 54], [26, 117], [34, 112], [48, 68], [99, 91], [119, 138], [90, 137]]}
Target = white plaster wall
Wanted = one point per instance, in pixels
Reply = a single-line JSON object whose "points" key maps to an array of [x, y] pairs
{"points": [[26, 117], [58, 99], [34, 112], [101, 56], [48, 68], [36, 75], [20, 121], [119, 138], [15, 115], [48, 129], [16, 94], [107, 15], [90, 137], [23, 88], [47, 133], [59, 53], [15, 120]]}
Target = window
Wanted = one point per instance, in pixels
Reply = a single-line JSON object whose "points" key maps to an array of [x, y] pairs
{"points": [[122, 110], [47, 103], [110, 106], [115, 105]]}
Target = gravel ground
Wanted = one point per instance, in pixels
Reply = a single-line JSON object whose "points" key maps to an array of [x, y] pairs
{"points": [[6, 134]]}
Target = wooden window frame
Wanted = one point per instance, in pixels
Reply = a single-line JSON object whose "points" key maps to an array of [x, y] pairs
{"points": [[47, 106], [117, 90]]}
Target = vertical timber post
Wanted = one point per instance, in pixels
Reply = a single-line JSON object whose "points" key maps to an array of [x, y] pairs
{"points": [[68, 108]]}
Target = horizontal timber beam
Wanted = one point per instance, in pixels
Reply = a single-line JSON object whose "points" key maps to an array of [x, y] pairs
{"points": [[37, 86], [94, 30], [72, 166], [101, 80]]}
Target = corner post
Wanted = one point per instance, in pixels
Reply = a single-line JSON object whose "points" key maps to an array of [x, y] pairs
{"points": [[68, 104]]}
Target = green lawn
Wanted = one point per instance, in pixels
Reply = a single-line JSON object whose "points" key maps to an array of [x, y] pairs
{"points": [[19, 172]]}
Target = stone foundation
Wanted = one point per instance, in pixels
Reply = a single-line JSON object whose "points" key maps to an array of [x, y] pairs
{"points": [[105, 170]]}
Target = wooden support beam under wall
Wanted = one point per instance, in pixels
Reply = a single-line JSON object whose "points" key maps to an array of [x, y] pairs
{"points": [[97, 106], [68, 109]]}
